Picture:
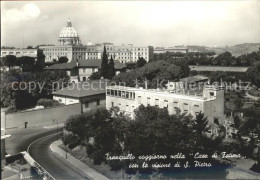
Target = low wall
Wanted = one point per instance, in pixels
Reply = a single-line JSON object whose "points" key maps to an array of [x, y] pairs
{"points": [[40, 117]]}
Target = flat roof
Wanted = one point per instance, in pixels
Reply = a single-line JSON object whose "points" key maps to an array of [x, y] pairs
{"points": [[161, 92], [83, 89]]}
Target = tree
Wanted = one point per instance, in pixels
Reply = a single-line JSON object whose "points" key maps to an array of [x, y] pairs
{"points": [[111, 68], [40, 63], [253, 73], [237, 122], [183, 63], [9, 60], [95, 76], [200, 123], [29, 47], [157, 73], [238, 104], [27, 63], [20, 99], [63, 59], [140, 62], [104, 64]]}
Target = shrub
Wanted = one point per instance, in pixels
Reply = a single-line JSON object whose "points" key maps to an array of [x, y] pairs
{"points": [[47, 102], [71, 140]]}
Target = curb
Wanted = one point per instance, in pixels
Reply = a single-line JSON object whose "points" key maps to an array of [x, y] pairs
{"points": [[80, 170]]}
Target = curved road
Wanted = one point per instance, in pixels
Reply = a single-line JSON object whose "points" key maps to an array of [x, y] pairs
{"points": [[55, 165]]}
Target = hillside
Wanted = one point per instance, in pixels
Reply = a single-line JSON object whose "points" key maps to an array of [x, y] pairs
{"points": [[236, 50]]}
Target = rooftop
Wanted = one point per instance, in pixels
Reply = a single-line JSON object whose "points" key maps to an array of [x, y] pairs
{"points": [[83, 63], [163, 92], [194, 79], [83, 89]]}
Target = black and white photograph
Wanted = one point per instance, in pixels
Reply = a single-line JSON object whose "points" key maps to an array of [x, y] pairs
{"points": [[130, 90]]}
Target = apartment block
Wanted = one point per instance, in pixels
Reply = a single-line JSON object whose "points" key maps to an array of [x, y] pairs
{"points": [[210, 102]]}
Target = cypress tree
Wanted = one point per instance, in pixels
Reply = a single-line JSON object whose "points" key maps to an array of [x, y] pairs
{"points": [[104, 64], [111, 68]]}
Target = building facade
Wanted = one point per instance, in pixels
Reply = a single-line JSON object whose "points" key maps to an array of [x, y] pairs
{"points": [[19, 52], [81, 70], [90, 94], [72, 52], [124, 53], [3, 149], [211, 102]]}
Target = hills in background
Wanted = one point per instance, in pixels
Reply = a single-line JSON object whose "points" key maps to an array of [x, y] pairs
{"points": [[235, 50]]}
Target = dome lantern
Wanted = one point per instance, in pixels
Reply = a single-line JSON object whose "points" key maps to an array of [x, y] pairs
{"points": [[69, 35], [69, 23]]}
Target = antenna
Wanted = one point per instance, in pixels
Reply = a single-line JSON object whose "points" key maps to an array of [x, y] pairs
{"points": [[188, 40]]}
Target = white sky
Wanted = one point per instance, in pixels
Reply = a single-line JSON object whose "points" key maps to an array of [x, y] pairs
{"points": [[164, 23]]}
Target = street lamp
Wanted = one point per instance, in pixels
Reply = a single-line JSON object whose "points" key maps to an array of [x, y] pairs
{"points": [[57, 128]]}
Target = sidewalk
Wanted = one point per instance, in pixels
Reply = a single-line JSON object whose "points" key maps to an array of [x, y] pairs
{"points": [[88, 171]]}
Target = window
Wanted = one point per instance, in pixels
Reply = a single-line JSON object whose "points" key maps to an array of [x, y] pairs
{"points": [[115, 92], [211, 93], [165, 105], [157, 102], [98, 102], [139, 100], [185, 107], [133, 95], [112, 92], [196, 109], [84, 79], [119, 93], [86, 104], [60, 100], [112, 104], [123, 93], [127, 94], [148, 101]]}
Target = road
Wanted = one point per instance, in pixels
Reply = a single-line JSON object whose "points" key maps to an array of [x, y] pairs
{"points": [[55, 165], [21, 138]]}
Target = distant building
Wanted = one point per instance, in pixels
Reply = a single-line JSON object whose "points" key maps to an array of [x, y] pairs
{"points": [[210, 102], [19, 52], [3, 152], [81, 70], [90, 94], [71, 47], [177, 49], [124, 53], [197, 82]]}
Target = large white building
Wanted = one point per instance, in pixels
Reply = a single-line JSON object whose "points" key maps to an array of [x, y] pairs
{"points": [[124, 53], [210, 102], [71, 47]]}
